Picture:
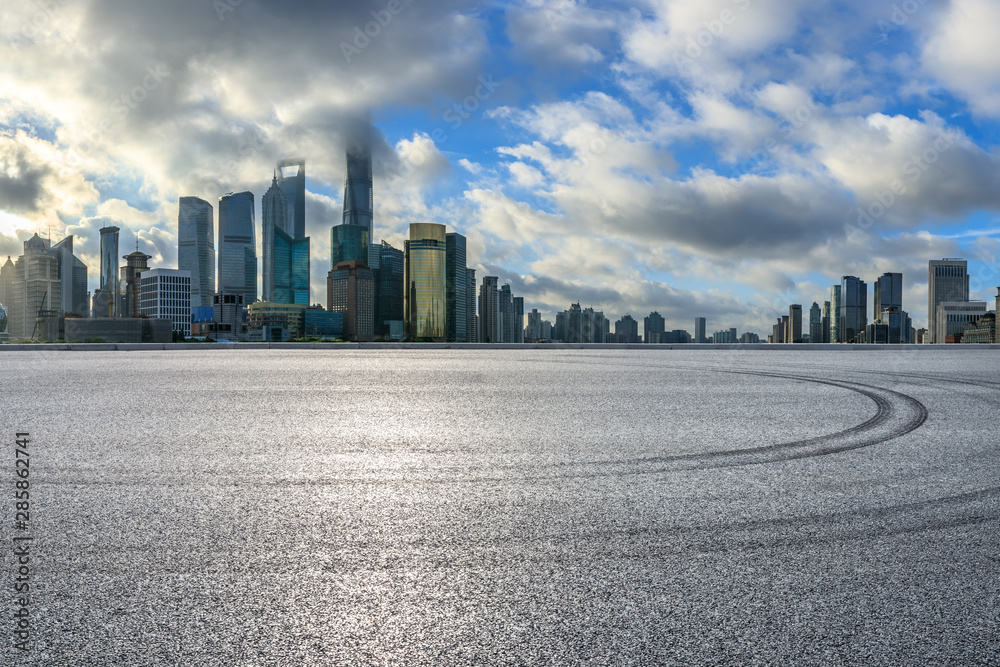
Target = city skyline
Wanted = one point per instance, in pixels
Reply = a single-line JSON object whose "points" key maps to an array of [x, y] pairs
{"points": [[670, 167]]}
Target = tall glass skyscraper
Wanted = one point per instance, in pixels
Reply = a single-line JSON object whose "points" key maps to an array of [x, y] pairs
{"points": [[291, 178], [73, 276], [237, 246], [489, 310], [471, 322], [359, 199], [348, 243], [196, 248], [853, 308], [424, 298], [456, 287], [835, 333], [888, 293], [389, 293], [106, 296], [286, 248]]}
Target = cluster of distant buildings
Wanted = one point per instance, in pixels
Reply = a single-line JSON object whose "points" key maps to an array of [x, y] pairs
{"points": [[424, 291]]}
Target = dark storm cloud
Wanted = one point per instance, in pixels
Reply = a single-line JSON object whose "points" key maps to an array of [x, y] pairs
{"points": [[21, 187]]}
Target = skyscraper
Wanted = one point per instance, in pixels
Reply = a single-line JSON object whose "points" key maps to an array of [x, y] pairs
{"points": [[506, 300], [106, 296], [348, 243], [237, 271], [32, 288], [166, 293], [853, 308], [654, 323], [489, 310], [456, 287], [826, 322], [517, 326], [471, 324], [835, 333], [815, 324], [947, 281], [286, 252], [195, 248], [626, 329], [136, 263], [389, 298], [351, 292], [699, 330], [424, 297], [794, 332], [291, 178], [73, 276], [888, 293], [359, 199]]}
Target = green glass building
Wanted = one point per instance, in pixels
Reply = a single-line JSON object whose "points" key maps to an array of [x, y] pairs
{"points": [[424, 277], [348, 243]]}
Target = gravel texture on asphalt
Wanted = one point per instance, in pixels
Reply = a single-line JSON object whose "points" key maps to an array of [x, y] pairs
{"points": [[507, 507]]}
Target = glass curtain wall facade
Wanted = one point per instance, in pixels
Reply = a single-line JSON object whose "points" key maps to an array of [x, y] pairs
{"points": [[358, 191], [291, 178], [489, 310], [106, 297], [291, 269], [456, 287], [471, 322], [196, 248], [835, 332], [424, 276], [853, 307], [389, 299], [348, 243], [273, 217], [237, 271]]}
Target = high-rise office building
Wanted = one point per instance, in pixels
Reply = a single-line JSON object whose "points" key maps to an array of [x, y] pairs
{"points": [[888, 290], [794, 332], [237, 271], [136, 263], [389, 294], [489, 310], [517, 327], [424, 296], [826, 322], [106, 296], [359, 199], [456, 287], [31, 289], [853, 308], [166, 293], [836, 335], [947, 280], [815, 324], [286, 252], [73, 276], [196, 248], [348, 243], [506, 301], [699, 330], [291, 178], [351, 292], [471, 321], [653, 323]]}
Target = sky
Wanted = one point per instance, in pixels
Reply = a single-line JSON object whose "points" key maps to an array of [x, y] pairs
{"points": [[712, 158]]}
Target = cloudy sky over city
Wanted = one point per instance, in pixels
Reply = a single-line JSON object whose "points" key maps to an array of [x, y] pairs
{"points": [[717, 158]]}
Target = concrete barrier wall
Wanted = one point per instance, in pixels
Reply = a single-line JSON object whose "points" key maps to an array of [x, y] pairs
{"points": [[802, 347]]}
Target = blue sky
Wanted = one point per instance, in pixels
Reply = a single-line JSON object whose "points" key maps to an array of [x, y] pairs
{"points": [[716, 158]]}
